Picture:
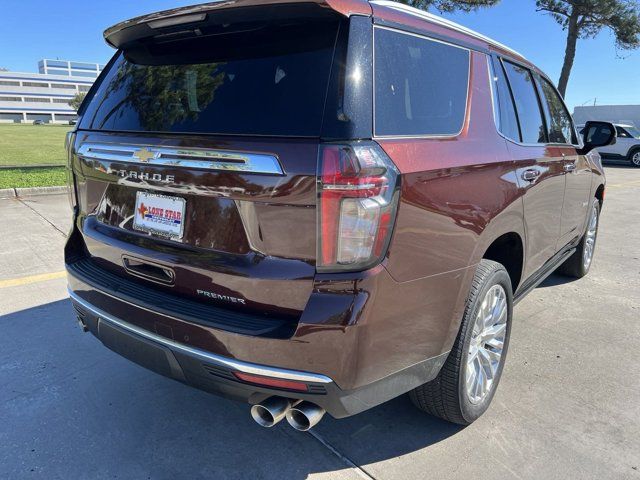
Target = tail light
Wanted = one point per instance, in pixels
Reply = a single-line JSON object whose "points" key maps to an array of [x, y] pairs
{"points": [[358, 195], [71, 184]]}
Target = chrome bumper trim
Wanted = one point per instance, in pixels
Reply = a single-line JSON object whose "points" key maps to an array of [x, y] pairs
{"points": [[245, 367]]}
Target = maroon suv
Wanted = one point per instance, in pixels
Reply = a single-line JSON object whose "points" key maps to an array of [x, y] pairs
{"points": [[319, 206]]}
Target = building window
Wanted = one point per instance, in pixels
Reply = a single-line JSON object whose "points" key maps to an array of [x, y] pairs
{"points": [[37, 99], [35, 84], [58, 71], [10, 99], [9, 83], [83, 88], [66, 86], [83, 66], [62, 100], [78, 73], [55, 63]]}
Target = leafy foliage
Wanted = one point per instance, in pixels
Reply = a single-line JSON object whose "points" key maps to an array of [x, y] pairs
{"points": [[165, 95], [621, 16], [450, 5], [76, 101], [586, 18]]}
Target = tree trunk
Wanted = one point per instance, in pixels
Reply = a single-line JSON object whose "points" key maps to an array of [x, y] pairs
{"points": [[573, 32]]}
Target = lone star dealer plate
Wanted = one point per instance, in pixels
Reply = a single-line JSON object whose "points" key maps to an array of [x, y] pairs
{"points": [[160, 214]]}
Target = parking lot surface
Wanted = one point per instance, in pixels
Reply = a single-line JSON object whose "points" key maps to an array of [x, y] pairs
{"points": [[567, 406]]}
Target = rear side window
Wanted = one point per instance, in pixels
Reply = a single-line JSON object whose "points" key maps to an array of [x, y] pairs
{"points": [[269, 81], [559, 123], [420, 85], [505, 112], [529, 115]]}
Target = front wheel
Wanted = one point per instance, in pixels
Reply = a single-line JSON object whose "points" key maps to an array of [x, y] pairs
{"points": [[634, 158], [578, 264], [463, 389]]}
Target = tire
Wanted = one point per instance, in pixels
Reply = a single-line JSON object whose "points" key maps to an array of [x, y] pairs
{"points": [[577, 265], [634, 157], [447, 396]]}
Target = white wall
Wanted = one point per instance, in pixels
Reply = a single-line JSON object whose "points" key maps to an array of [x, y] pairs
{"points": [[628, 114]]}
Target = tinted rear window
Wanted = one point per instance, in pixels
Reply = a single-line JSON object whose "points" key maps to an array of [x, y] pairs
{"points": [[261, 81], [420, 85]]}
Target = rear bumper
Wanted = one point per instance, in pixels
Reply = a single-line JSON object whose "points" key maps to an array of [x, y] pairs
{"points": [[215, 373]]}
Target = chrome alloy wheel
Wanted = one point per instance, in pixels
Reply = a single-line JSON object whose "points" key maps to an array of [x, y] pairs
{"points": [[635, 159], [487, 344], [590, 237]]}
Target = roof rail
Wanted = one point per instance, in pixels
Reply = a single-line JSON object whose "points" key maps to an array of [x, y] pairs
{"points": [[430, 17]]}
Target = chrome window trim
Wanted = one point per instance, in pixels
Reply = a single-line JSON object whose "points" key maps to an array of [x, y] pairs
{"points": [[492, 85], [424, 135], [240, 366], [199, 158], [445, 23]]}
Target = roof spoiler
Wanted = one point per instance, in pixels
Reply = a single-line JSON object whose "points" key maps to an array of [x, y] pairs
{"points": [[177, 20]]}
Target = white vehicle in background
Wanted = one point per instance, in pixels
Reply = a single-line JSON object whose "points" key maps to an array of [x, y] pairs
{"points": [[626, 147]]}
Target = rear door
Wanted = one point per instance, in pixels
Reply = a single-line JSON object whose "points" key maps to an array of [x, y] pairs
{"points": [[196, 162], [540, 167]]}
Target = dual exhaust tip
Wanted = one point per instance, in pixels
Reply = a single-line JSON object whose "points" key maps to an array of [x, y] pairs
{"points": [[301, 415]]}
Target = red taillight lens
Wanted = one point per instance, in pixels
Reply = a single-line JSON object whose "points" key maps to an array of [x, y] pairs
{"points": [[270, 382], [358, 195]]}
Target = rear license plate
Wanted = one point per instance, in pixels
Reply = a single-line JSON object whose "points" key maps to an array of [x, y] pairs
{"points": [[160, 214]]}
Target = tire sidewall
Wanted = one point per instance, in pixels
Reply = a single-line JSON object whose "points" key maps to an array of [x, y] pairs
{"points": [[471, 411]]}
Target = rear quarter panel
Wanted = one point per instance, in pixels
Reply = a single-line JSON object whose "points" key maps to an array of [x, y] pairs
{"points": [[458, 195]]}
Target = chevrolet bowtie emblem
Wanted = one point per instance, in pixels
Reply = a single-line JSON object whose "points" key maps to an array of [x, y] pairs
{"points": [[144, 155]]}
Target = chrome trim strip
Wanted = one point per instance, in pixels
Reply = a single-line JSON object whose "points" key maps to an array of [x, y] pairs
{"points": [[223, 160], [443, 22], [245, 367]]}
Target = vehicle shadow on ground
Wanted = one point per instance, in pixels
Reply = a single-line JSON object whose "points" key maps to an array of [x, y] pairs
{"points": [[77, 410], [556, 279]]}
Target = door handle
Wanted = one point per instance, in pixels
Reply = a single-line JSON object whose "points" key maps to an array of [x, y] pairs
{"points": [[569, 167], [530, 175]]}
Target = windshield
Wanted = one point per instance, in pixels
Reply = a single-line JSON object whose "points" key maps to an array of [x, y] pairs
{"points": [[265, 81], [634, 132]]}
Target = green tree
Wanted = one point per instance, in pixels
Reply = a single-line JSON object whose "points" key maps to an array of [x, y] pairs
{"points": [[586, 18], [450, 5], [166, 94], [76, 101]]}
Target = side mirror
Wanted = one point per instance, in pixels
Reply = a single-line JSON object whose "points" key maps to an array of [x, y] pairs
{"points": [[597, 134]]}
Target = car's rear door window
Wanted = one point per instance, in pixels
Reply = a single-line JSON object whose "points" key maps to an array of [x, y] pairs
{"points": [[504, 110], [421, 85], [268, 81], [532, 127]]}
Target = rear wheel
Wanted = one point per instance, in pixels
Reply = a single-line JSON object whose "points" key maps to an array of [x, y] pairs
{"points": [[579, 263], [634, 157], [465, 386]]}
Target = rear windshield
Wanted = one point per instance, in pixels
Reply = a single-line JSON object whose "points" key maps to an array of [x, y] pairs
{"points": [[261, 81]]}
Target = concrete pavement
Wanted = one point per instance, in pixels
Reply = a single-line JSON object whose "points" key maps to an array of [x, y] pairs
{"points": [[567, 406]]}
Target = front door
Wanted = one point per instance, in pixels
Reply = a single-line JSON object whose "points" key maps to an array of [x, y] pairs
{"points": [[563, 141], [577, 196]]}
